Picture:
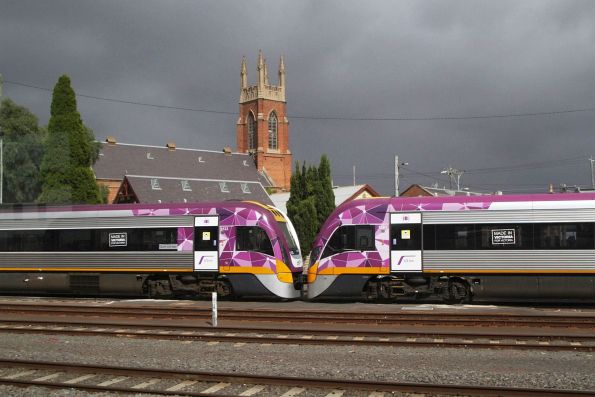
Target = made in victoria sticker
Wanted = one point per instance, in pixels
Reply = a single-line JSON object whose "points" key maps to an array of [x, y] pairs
{"points": [[118, 239], [503, 236]]}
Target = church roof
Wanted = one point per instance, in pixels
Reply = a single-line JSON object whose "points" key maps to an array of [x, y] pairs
{"points": [[144, 189], [119, 159]]}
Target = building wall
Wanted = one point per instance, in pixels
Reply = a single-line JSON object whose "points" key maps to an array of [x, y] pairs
{"points": [[112, 185]]}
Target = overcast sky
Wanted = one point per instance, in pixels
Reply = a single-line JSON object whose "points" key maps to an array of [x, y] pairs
{"points": [[366, 65]]}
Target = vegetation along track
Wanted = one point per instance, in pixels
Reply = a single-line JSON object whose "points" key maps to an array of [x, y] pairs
{"points": [[310, 316], [193, 383]]}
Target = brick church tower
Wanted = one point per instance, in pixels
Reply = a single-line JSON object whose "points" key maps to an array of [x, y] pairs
{"points": [[262, 128]]}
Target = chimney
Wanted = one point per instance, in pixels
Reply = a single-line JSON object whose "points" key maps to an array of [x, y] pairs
{"points": [[171, 146], [110, 140]]}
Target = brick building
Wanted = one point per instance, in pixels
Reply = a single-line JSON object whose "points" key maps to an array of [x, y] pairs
{"points": [[262, 127]]}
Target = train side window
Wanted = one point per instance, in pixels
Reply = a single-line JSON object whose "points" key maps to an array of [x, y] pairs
{"points": [[75, 240], [564, 236], [429, 237], [455, 237], [253, 238], [405, 237], [351, 238], [159, 239], [365, 238], [343, 239]]}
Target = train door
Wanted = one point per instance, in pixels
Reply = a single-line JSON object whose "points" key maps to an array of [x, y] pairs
{"points": [[405, 242], [206, 243]]}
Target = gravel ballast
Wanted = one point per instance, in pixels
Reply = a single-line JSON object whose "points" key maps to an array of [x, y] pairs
{"points": [[510, 368]]}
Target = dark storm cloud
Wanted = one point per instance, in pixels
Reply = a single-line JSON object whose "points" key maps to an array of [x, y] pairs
{"points": [[346, 59]]}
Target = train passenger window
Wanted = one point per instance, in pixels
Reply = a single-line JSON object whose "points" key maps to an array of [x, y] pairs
{"points": [[505, 237], [564, 236], [351, 238], [253, 238], [75, 240], [455, 237], [405, 237], [429, 237]]}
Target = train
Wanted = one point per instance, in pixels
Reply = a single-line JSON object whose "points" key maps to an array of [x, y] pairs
{"points": [[459, 249], [237, 249]]}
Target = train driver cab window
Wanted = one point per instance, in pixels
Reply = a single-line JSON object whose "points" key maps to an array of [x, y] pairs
{"points": [[253, 238], [351, 238]]}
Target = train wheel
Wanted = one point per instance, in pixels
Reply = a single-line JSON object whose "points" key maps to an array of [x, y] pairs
{"points": [[159, 289], [457, 292]]}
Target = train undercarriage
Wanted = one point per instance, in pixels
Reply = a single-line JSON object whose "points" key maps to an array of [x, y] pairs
{"points": [[482, 287]]}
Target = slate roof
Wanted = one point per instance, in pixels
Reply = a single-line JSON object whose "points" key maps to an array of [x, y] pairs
{"points": [[120, 159], [203, 170], [171, 190]]}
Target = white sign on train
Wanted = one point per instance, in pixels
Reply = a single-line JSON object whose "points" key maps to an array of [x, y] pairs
{"points": [[118, 239], [503, 236]]}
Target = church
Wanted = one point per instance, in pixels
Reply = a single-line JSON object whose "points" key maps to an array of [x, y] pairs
{"points": [[261, 165]]}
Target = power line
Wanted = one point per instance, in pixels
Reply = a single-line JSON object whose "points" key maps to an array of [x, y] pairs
{"points": [[126, 101], [340, 118]]}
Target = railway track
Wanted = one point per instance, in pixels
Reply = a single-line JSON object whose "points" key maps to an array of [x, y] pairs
{"points": [[309, 336], [311, 316], [193, 383]]}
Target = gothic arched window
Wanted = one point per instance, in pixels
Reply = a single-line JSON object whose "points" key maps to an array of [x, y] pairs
{"points": [[251, 132], [273, 141]]}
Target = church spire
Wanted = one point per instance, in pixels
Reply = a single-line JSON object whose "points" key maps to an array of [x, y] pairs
{"points": [[244, 74], [281, 72], [261, 70]]}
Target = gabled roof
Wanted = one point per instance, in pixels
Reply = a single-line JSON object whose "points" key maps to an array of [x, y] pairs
{"points": [[342, 194], [437, 192], [119, 159], [145, 189]]}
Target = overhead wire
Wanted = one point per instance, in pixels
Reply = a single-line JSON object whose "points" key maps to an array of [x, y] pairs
{"points": [[308, 117]]}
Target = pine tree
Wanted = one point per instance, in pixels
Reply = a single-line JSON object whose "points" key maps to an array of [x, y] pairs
{"points": [[22, 152], [325, 198], [311, 200], [69, 152]]}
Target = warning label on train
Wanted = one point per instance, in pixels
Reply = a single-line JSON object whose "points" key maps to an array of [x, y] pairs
{"points": [[503, 236], [118, 239]]}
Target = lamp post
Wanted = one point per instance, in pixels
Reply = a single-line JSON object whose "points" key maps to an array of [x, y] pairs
{"points": [[397, 165]]}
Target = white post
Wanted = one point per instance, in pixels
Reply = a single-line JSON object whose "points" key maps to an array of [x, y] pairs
{"points": [[214, 314], [396, 176], [354, 175]]}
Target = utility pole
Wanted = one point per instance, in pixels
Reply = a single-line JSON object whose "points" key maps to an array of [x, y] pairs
{"points": [[354, 175], [397, 165], [452, 172]]}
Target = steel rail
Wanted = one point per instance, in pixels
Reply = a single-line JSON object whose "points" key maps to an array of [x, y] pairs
{"points": [[320, 316], [249, 379], [307, 336]]}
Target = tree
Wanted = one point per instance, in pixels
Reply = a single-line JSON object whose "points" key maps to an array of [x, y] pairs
{"points": [[311, 200], [70, 151], [22, 152], [325, 198]]}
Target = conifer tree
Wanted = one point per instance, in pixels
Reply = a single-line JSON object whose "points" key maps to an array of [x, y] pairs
{"points": [[325, 198], [69, 152], [311, 200]]}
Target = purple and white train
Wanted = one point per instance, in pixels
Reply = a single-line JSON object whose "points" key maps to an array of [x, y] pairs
{"points": [[156, 250], [528, 247]]}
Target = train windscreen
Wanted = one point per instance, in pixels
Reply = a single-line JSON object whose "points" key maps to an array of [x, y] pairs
{"points": [[289, 238]]}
